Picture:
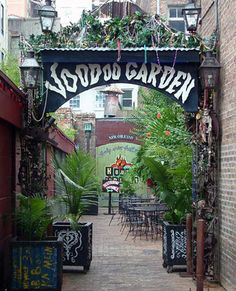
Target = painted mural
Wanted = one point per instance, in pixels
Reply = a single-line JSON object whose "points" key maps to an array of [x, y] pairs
{"points": [[112, 161]]}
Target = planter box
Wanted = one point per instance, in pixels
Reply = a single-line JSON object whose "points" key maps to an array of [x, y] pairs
{"points": [[174, 245], [93, 208], [77, 245], [35, 265]]}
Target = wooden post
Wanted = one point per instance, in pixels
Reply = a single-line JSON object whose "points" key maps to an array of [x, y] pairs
{"points": [[189, 221], [200, 254]]}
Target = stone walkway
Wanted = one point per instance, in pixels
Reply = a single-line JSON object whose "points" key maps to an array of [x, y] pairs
{"points": [[121, 265]]}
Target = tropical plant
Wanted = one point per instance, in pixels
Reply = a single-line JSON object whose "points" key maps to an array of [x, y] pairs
{"points": [[173, 186], [166, 155], [76, 185], [33, 217], [127, 185]]}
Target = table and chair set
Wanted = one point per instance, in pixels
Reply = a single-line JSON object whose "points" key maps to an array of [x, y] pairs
{"points": [[140, 217]]}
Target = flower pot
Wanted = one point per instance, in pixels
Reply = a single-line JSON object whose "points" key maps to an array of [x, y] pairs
{"points": [[174, 245], [35, 265], [77, 245]]}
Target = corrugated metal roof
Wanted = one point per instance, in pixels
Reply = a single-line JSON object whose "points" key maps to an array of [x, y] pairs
{"points": [[103, 49]]}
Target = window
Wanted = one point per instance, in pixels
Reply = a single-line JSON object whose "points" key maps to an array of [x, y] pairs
{"points": [[127, 98], [75, 102], [2, 19], [100, 100], [176, 19]]}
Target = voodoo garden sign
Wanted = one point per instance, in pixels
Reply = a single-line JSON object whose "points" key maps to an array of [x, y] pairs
{"points": [[172, 71]]}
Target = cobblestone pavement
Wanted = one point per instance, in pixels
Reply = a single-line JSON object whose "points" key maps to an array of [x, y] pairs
{"points": [[125, 265]]}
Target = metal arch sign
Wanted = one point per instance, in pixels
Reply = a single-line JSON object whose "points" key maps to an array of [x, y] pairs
{"points": [[64, 80]]}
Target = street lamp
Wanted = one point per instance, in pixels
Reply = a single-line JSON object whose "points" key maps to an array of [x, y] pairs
{"points": [[191, 16], [30, 71], [209, 71], [47, 16], [87, 131]]}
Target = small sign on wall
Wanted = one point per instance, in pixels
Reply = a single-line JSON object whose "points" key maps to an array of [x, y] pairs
{"points": [[36, 265]]}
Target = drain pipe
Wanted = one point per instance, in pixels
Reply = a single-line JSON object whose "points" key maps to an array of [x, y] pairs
{"points": [[200, 254], [158, 7]]}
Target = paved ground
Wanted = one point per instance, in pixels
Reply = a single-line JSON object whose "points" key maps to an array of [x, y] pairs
{"points": [[125, 265]]}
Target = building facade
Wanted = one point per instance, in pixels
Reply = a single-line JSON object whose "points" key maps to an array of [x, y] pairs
{"points": [[94, 101], [24, 8], [3, 29], [70, 11]]}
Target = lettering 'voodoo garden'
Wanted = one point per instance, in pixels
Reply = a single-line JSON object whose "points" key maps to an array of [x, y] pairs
{"points": [[64, 80]]}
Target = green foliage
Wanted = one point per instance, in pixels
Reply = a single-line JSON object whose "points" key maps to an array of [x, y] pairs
{"points": [[127, 186], [174, 187], [76, 182], [136, 30], [69, 132], [32, 217], [10, 67], [166, 154]]}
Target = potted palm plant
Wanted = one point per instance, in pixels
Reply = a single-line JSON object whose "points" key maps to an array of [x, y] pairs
{"points": [[76, 192], [173, 187], [36, 260]]}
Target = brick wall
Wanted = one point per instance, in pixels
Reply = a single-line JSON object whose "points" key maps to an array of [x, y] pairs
{"points": [[150, 6], [114, 130], [226, 105]]}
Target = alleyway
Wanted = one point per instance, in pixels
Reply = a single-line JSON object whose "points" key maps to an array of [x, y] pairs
{"points": [[124, 265]]}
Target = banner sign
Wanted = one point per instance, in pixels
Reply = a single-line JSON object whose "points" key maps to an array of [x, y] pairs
{"points": [[64, 81]]}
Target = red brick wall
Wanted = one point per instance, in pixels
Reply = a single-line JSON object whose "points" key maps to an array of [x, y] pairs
{"points": [[7, 180], [114, 130]]}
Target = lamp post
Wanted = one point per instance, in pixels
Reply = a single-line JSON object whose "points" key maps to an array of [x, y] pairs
{"points": [[29, 70], [47, 16], [191, 16], [31, 172], [88, 131], [209, 72]]}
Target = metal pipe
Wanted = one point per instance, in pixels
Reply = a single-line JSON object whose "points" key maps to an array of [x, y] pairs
{"points": [[200, 254], [158, 7], [189, 221]]}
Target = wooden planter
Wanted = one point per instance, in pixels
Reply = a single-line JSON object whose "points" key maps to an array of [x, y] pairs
{"points": [[35, 265], [93, 208], [77, 245], [174, 241]]}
